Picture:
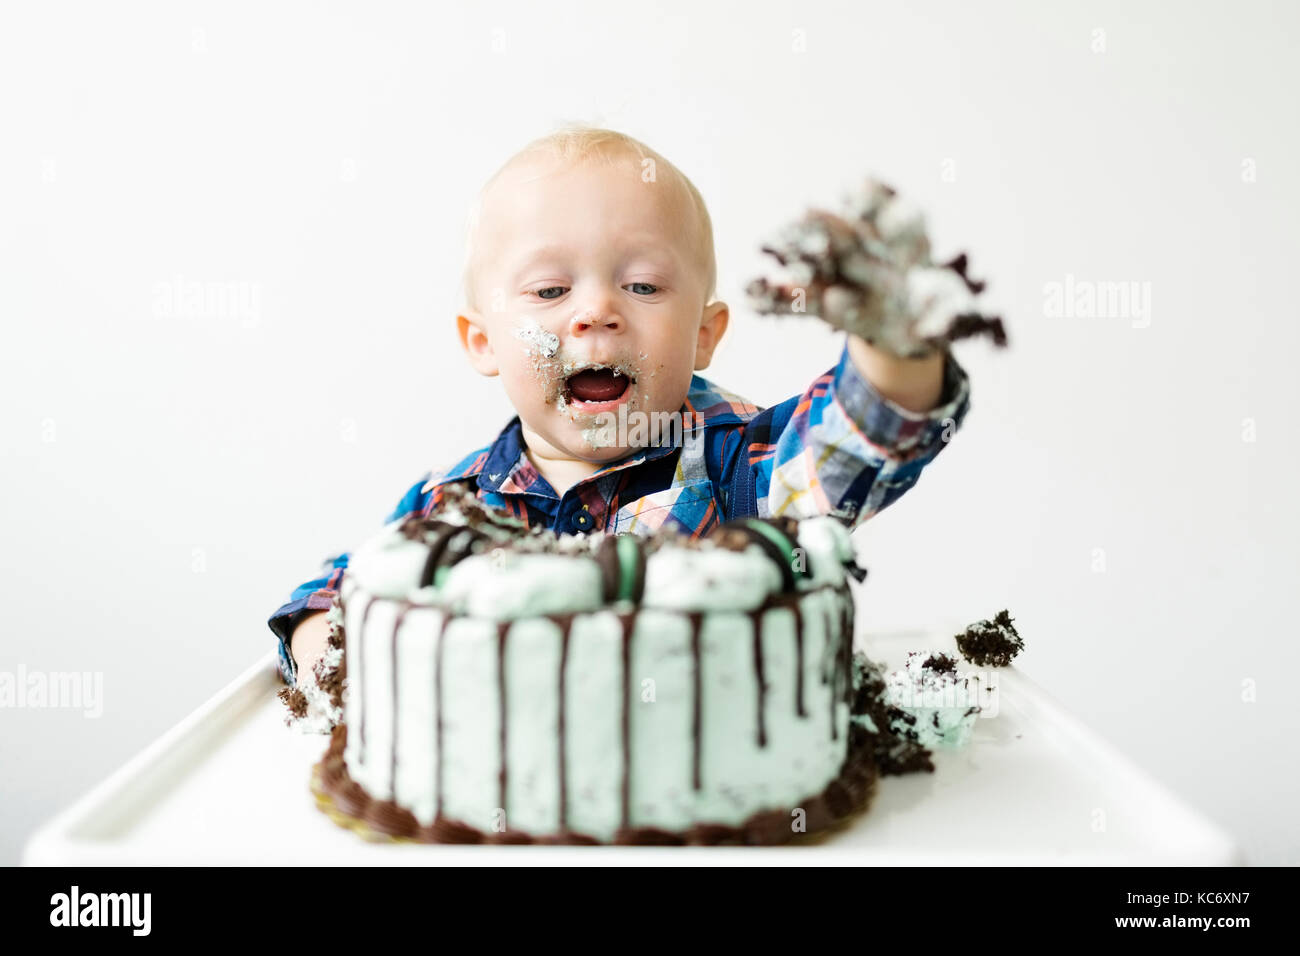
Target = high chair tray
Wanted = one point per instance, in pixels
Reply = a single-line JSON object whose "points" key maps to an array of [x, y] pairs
{"points": [[229, 784]]}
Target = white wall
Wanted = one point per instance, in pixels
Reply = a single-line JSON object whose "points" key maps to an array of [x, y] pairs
{"points": [[323, 157]]}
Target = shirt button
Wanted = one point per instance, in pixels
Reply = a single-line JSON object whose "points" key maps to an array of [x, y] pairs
{"points": [[582, 520]]}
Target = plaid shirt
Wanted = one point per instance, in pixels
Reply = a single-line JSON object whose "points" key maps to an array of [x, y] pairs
{"points": [[839, 448]]}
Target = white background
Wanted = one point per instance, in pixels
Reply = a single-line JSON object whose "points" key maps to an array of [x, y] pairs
{"points": [[168, 478]]}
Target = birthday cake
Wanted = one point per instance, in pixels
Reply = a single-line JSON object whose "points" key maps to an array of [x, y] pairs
{"points": [[487, 683], [508, 685]]}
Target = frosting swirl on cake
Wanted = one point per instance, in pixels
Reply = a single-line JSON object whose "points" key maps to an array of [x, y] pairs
{"points": [[458, 560]]}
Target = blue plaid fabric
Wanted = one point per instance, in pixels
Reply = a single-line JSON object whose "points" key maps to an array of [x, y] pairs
{"points": [[839, 448]]}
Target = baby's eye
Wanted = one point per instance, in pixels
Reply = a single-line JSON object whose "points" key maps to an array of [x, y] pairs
{"points": [[642, 288], [551, 292]]}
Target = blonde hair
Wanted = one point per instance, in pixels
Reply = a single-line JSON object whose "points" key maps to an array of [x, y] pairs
{"points": [[576, 144]]}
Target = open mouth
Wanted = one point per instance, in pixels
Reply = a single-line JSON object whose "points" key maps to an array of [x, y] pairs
{"points": [[597, 386]]}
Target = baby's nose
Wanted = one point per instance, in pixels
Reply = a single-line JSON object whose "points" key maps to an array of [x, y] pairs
{"points": [[589, 319]]}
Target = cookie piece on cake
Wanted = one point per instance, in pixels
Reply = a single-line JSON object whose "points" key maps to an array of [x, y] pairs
{"points": [[992, 643], [868, 270]]}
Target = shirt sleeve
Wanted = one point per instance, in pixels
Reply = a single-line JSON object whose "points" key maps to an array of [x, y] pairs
{"points": [[841, 448], [318, 593]]}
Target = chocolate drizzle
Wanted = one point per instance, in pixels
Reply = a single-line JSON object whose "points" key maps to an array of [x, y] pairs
{"points": [[756, 622], [697, 695], [503, 628], [833, 678], [361, 659], [846, 641], [824, 671], [442, 534], [566, 623], [392, 761], [794, 602], [437, 696], [799, 709], [628, 624]]}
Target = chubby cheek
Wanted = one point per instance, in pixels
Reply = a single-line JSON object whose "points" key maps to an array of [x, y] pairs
{"points": [[673, 377], [524, 389], [527, 375]]}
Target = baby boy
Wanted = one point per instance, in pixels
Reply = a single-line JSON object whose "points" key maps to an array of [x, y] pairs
{"points": [[589, 289]]}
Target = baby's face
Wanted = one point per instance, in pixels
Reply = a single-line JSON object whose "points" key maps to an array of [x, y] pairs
{"points": [[591, 287]]}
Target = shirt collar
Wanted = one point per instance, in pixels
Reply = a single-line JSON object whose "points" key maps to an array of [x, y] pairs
{"points": [[504, 467]]}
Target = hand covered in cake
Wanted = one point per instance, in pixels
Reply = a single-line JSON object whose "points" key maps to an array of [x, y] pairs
{"points": [[309, 642], [868, 271], [315, 701]]}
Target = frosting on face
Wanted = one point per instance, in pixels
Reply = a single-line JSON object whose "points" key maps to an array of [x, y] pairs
{"points": [[537, 340], [589, 266]]}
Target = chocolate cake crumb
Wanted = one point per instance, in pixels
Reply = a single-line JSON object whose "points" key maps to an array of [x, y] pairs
{"points": [[991, 643], [330, 680], [294, 699], [461, 508], [940, 664], [893, 753], [970, 324]]}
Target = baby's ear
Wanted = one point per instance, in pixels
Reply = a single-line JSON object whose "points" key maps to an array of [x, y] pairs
{"points": [[474, 338], [712, 325]]}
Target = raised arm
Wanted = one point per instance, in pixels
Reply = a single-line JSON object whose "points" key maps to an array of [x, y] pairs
{"points": [[861, 434], [842, 447]]}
